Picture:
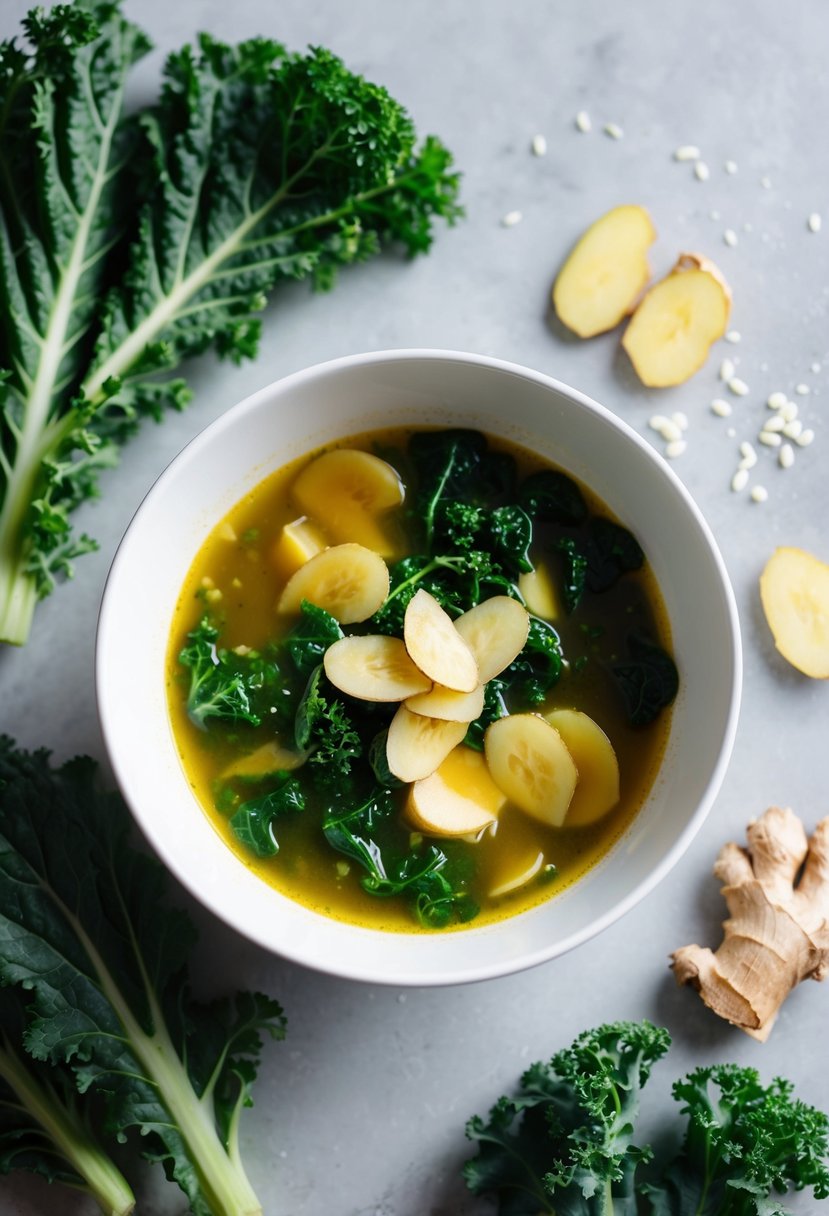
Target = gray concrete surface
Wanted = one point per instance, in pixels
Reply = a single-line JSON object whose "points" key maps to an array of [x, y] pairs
{"points": [[361, 1111]]}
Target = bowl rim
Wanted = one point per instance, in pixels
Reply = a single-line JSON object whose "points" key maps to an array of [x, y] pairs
{"points": [[403, 976]]}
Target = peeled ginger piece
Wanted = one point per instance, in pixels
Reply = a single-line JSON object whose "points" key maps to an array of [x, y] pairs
{"points": [[436, 646], [671, 332], [349, 581], [601, 280], [416, 746], [597, 791], [459, 798], [496, 632], [373, 668], [529, 762], [794, 589], [348, 492]]}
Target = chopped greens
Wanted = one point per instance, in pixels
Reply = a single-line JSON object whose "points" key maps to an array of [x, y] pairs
{"points": [[565, 1144], [96, 964], [477, 526], [130, 244]]}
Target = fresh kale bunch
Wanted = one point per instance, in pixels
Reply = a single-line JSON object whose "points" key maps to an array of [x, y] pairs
{"points": [[129, 244], [564, 1144], [96, 1013]]}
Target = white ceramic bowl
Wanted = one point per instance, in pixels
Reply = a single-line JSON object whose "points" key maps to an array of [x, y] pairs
{"points": [[340, 398]]}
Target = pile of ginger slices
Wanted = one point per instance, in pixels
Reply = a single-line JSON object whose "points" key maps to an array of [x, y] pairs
{"points": [[558, 768]]}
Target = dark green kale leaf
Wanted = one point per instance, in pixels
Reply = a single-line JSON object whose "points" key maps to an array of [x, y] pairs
{"points": [[494, 707], [553, 497], [349, 821], [504, 532], [378, 759], [457, 582], [217, 689], [309, 639], [574, 571], [511, 533], [611, 551], [254, 823], [564, 1144], [744, 1142], [173, 1073], [446, 464], [324, 728], [648, 680], [537, 668]]}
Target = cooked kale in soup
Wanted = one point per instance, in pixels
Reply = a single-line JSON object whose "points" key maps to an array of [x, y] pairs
{"points": [[420, 679]]}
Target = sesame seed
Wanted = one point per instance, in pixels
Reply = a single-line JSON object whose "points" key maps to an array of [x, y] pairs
{"points": [[765, 182], [511, 219], [730, 166], [792, 429], [739, 481], [539, 145], [769, 439], [613, 130], [759, 494], [733, 336], [721, 408], [814, 222], [805, 438], [802, 390], [786, 456], [775, 422], [789, 411], [737, 386], [680, 419], [776, 401], [701, 171], [582, 121], [687, 152], [730, 237], [675, 448], [727, 369]]}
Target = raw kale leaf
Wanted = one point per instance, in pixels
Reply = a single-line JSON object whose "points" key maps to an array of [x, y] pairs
{"points": [[120, 1015], [255, 821], [129, 246], [648, 680]]}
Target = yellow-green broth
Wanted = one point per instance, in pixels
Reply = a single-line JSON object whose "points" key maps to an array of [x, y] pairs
{"points": [[234, 576]]}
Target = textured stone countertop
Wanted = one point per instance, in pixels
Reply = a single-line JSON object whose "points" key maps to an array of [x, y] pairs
{"points": [[361, 1111]]}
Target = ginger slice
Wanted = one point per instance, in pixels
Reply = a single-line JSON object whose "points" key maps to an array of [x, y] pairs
{"points": [[602, 277], [794, 589], [670, 334], [777, 933]]}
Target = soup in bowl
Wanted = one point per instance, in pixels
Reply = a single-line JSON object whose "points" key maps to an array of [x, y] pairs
{"points": [[413, 698]]}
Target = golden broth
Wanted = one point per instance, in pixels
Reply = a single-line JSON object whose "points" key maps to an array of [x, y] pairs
{"points": [[234, 576]]}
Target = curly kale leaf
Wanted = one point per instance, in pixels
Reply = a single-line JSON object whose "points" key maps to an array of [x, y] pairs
{"points": [[564, 1145], [324, 728], [231, 687], [744, 1142], [309, 639]]}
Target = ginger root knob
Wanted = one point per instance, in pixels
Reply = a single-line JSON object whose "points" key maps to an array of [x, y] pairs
{"points": [[777, 933]]}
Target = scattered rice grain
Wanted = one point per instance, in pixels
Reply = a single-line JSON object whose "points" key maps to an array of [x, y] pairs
{"points": [[738, 387], [613, 130], [814, 222], [727, 369], [720, 407], [730, 237], [701, 171], [789, 411], [675, 448], [583, 122], [792, 429], [730, 166], [539, 145], [802, 390], [680, 419], [759, 494], [511, 219], [657, 421], [786, 456], [748, 456], [687, 152], [805, 438], [733, 336], [816, 367], [731, 433], [765, 182], [670, 432], [776, 401], [739, 481], [769, 439], [775, 422]]}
